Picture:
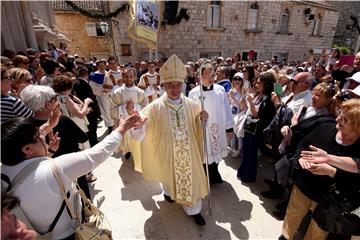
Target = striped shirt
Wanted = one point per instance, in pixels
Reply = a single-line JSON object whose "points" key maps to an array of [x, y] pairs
{"points": [[12, 107]]}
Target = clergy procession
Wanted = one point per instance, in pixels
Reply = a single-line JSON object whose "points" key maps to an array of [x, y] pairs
{"points": [[176, 123]]}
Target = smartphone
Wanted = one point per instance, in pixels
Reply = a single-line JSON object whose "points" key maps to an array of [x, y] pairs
{"points": [[278, 89]]}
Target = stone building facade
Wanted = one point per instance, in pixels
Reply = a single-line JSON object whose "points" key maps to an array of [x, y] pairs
{"points": [[221, 28], [345, 35], [28, 24], [85, 35]]}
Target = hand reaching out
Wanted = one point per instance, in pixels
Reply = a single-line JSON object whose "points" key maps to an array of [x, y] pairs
{"points": [[135, 120], [318, 168], [54, 142], [54, 115], [317, 155], [87, 101]]}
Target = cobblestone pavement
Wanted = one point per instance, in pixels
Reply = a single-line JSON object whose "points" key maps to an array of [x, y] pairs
{"points": [[137, 210]]}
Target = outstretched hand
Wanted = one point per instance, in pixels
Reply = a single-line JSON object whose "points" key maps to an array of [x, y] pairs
{"points": [[318, 168], [135, 120], [55, 115], [317, 155], [54, 142]]}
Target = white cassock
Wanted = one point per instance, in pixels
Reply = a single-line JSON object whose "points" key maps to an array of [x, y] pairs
{"points": [[118, 103], [220, 118], [116, 76]]}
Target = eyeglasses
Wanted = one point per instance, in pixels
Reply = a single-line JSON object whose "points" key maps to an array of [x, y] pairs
{"points": [[237, 79]]}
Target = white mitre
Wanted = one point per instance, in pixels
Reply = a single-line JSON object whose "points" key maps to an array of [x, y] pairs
{"points": [[173, 70]]}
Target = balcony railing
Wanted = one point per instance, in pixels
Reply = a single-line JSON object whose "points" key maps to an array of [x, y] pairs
{"points": [[90, 6]]}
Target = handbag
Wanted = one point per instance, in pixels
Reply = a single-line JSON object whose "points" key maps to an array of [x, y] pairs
{"points": [[334, 214], [250, 124], [95, 225]]}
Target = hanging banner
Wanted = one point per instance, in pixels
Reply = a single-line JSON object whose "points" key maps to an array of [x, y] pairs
{"points": [[144, 21]]}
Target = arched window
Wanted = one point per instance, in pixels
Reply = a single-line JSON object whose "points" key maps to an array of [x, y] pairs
{"points": [[284, 21], [317, 25], [253, 16], [213, 16]]}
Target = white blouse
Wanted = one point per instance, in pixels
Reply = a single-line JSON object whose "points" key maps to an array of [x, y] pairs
{"points": [[39, 194]]}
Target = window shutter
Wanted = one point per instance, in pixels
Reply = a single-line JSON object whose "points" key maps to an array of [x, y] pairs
{"points": [[284, 21], [216, 16], [252, 21], [316, 30], [91, 29], [209, 16]]}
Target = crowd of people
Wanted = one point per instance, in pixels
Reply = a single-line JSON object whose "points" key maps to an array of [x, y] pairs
{"points": [[305, 116]]}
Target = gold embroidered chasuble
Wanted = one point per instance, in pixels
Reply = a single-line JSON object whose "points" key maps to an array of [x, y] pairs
{"points": [[172, 149]]}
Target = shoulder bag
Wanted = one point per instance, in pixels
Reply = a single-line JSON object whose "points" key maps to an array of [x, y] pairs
{"points": [[334, 213], [95, 225]]}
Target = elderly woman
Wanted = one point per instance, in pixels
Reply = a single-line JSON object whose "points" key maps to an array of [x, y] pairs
{"points": [[261, 112], [321, 112], [42, 100], [308, 188], [343, 168]]}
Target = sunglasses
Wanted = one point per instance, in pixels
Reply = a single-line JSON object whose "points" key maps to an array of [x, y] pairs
{"points": [[237, 79], [293, 81]]}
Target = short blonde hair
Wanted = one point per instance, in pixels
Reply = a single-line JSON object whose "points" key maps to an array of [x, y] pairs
{"points": [[351, 108], [19, 75]]}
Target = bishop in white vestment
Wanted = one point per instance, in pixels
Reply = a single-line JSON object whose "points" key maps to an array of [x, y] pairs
{"points": [[171, 146]]}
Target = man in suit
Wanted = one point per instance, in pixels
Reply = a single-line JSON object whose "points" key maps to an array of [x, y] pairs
{"points": [[83, 90]]}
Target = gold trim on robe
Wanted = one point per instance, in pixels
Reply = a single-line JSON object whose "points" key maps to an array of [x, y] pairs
{"points": [[172, 149], [182, 161]]}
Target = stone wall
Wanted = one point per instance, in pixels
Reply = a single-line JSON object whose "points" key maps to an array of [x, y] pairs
{"points": [[73, 25], [191, 38], [344, 36]]}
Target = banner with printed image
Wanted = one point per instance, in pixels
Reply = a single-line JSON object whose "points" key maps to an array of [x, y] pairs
{"points": [[144, 21]]}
